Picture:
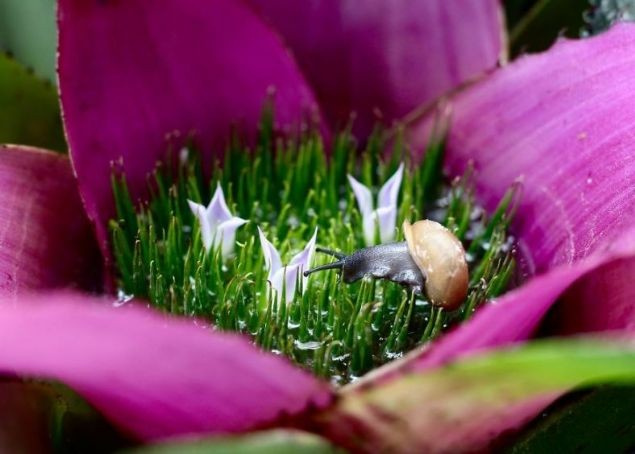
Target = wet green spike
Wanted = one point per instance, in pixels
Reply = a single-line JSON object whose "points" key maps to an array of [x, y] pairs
{"points": [[287, 187]]}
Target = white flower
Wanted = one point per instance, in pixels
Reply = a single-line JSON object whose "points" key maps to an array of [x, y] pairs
{"points": [[385, 216], [287, 276], [218, 226]]}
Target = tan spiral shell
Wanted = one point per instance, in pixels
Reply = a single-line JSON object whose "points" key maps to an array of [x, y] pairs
{"points": [[441, 258]]}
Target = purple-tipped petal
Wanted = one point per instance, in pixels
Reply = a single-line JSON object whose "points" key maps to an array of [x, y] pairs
{"points": [[135, 76], [207, 233], [226, 234], [387, 57], [217, 209], [562, 122], [389, 192], [363, 196], [45, 239], [272, 256], [153, 376], [304, 257]]}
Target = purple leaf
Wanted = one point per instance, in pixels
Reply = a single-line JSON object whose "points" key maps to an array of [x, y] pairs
{"points": [[562, 122], [45, 239], [569, 138], [137, 76], [152, 375], [386, 58]]}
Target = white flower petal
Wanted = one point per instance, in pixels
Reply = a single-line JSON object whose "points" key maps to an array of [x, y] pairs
{"points": [[217, 211], [207, 231], [390, 190], [387, 219], [226, 234], [272, 256], [286, 278], [363, 195], [304, 258], [370, 226]]}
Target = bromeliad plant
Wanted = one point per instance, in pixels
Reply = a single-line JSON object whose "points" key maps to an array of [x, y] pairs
{"points": [[286, 188], [136, 78]]}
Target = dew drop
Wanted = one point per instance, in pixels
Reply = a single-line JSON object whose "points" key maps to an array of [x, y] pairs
{"points": [[122, 298], [310, 345]]}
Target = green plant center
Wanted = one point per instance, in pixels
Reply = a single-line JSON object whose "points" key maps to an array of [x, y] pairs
{"points": [[287, 187]]}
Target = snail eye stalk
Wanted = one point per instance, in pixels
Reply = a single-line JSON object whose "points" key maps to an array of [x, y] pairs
{"points": [[335, 254], [329, 266]]}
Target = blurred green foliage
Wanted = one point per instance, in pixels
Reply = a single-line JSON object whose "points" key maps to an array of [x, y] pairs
{"points": [[584, 422], [28, 33], [271, 442], [29, 109], [534, 25]]}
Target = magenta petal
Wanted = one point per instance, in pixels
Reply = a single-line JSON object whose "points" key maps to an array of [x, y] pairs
{"points": [[564, 128], [561, 121], [386, 56], [603, 300], [153, 376], [135, 75], [45, 239]]}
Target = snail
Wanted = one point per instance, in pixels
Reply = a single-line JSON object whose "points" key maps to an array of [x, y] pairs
{"points": [[431, 258]]}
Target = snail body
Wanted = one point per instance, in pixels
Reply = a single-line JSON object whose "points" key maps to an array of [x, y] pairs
{"points": [[385, 261], [431, 259]]}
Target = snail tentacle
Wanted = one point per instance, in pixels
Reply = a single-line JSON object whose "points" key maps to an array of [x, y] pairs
{"points": [[329, 266], [335, 254]]}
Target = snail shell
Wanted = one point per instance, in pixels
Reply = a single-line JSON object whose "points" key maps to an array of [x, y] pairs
{"points": [[441, 258]]}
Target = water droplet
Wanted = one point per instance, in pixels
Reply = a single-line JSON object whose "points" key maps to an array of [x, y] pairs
{"points": [[393, 355], [122, 298], [310, 345]]}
